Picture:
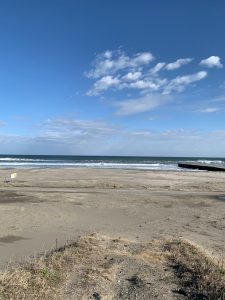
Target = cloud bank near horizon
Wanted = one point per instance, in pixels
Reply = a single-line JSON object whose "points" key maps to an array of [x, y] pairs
{"points": [[76, 136]]}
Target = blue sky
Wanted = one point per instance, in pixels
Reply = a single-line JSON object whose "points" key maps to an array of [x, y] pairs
{"points": [[137, 77]]}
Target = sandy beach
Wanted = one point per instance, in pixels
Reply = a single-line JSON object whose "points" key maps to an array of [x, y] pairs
{"points": [[45, 207]]}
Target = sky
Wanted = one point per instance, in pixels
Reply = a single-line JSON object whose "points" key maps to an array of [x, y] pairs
{"points": [[119, 77]]}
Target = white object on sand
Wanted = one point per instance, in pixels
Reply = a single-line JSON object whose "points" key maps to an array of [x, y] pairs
{"points": [[13, 175]]}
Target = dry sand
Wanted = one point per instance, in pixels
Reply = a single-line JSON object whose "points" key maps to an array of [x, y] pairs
{"points": [[45, 207]]}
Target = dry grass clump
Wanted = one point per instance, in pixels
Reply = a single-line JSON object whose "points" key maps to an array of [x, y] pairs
{"points": [[43, 277], [200, 277]]}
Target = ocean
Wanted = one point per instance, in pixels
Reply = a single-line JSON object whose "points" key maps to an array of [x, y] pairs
{"points": [[113, 162]]}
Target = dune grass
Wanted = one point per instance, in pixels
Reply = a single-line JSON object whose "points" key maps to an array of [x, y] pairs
{"points": [[45, 277], [200, 277], [42, 277]]}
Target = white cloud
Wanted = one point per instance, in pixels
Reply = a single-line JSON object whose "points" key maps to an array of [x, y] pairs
{"points": [[131, 76], [68, 128], [108, 54], [142, 104], [180, 82], [129, 81], [110, 62], [211, 62], [144, 85], [143, 58], [178, 63], [103, 84], [210, 110], [157, 68]]}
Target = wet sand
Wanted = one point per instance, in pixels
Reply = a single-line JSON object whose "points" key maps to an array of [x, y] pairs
{"points": [[43, 208]]}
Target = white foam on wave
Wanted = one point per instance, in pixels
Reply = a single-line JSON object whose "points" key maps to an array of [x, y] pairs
{"points": [[210, 161], [141, 166], [20, 159]]}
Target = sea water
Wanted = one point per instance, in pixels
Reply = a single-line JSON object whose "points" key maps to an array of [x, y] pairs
{"points": [[114, 162]]}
